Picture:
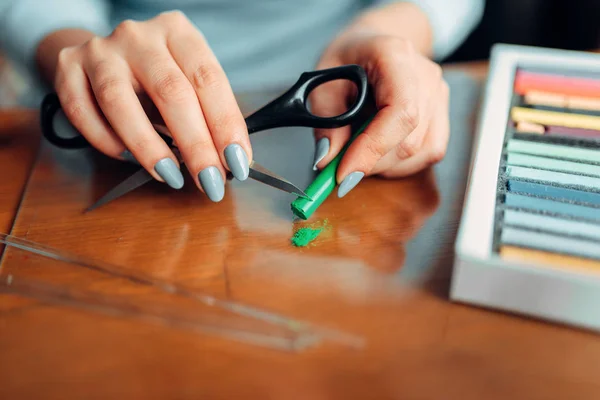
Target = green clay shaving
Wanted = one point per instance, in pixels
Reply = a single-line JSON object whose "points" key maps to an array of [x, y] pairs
{"points": [[304, 236]]}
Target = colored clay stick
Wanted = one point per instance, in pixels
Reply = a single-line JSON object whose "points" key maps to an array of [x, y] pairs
{"points": [[554, 192], [564, 73], [532, 128], [563, 110], [550, 242], [552, 224], [572, 132], [552, 164], [545, 98], [323, 184], [553, 150], [557, 178], [569, 86], [550, 206], [560, 261], [529, 127], [584, 103], [542, 117], [562, 101]]}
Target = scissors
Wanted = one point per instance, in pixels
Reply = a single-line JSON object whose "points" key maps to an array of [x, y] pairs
{"points": [[289, 109]]}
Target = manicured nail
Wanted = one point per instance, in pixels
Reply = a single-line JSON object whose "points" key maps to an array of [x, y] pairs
{"points": [[349, 183], [212, 183], [127, 156], [321, 151], [167, 169], [237, 161]]}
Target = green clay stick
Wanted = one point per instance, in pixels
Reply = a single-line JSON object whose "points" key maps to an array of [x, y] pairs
{"points": [[323, 184]]}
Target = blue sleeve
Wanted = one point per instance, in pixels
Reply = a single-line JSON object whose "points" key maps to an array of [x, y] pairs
{"points": [[451, 21], [24, 23]]}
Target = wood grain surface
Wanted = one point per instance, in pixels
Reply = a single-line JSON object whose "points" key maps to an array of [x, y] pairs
{"points": [[381, 271]]}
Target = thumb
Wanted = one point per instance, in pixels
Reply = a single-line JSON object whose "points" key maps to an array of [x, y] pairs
{"points": [[329, 100]]}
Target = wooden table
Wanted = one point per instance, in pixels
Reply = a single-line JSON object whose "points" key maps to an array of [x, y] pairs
{"points": [[381, 271]]}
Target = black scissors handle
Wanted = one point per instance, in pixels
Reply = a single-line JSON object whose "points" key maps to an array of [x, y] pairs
{"points": [[290, 109], [49, 108]]}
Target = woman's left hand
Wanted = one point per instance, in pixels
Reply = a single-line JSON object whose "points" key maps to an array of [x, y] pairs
{"points": [[411, 129]]}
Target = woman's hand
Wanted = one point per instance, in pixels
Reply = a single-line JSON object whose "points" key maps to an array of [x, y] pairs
{"points": [[167, 60], [411, 129]]}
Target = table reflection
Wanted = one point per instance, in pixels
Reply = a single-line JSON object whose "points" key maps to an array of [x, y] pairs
{"points": [[401, 229]]}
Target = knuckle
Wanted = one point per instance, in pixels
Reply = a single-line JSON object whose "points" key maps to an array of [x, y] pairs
{"points": [[74, 109], [65, 58], [103, 70], [95, 48], [395, 45], [407, 149], [226, 124], [375, 146], [174, 17], [205, 76], [408, 116], [131, 34], [171, 88], [109, 91], [198, 148], [140, 145], [126, 29]]}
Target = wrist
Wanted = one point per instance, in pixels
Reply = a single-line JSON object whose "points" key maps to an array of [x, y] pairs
{"points": [[399, 19], [51, 45]]}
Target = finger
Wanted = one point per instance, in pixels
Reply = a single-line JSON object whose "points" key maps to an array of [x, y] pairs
{"points": [[80, 108], [413, 144], [111, 84], [408, 148], [171, 92], [434, 145], [329, 100], [428, 102], [217, 101], [398, 101]]}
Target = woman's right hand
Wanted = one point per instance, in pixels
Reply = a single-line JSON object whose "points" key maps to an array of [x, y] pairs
{"points": [[99, 84]]}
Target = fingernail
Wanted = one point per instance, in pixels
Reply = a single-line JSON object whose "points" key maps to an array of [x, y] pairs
{"points": [[237, 161], [212, 183], [349, 183], [127, 156], [167, 169], [321, 151]]}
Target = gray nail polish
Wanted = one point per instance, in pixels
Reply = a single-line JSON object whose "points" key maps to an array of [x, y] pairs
{"points": [[237, 161], [349, 183], [321, 151], [212, 183], [167, 169], [127, 156]]}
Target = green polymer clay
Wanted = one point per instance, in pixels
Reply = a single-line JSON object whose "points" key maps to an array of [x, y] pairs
{"points": [[304, 236], [323, 184]]}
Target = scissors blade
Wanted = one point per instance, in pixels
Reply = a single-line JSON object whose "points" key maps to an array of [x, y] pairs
{"points": [[133, 182], [261, 174]]}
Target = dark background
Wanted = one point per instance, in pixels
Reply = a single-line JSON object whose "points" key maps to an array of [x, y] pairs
{"points": [[566, 24]]}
